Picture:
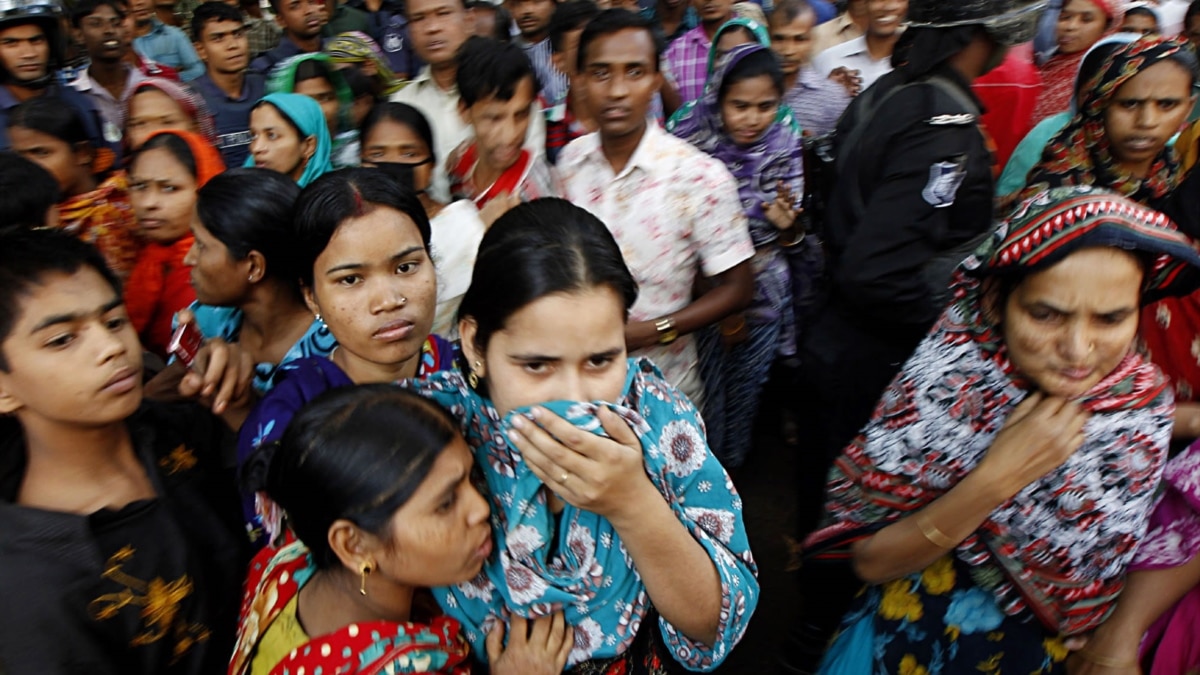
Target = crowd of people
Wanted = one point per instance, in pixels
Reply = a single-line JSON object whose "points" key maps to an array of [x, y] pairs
{"points": [[368, 336]]}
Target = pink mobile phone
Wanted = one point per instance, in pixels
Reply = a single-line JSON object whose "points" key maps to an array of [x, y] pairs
{"points": [[185, 343]]}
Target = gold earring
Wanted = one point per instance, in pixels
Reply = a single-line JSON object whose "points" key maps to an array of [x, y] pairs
{"points": [[362, 580], [473, 376]]}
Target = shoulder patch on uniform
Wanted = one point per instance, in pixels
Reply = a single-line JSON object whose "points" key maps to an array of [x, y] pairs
{"points": [[944, 180], [952, 120]]}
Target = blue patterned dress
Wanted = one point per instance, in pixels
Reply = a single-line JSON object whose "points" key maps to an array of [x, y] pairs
{"points": [[575, 561]]}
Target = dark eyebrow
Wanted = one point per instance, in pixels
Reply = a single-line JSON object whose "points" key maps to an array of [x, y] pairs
{"points": [[357, 265], [407, 252], [534, 357], [57, 319]]}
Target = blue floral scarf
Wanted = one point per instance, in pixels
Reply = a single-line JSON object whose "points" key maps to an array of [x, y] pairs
{"points": [[576, 562]]}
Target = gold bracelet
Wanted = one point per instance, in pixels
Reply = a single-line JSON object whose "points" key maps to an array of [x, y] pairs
{"points": [[736, 329], [1104, 661], [934, 535]]}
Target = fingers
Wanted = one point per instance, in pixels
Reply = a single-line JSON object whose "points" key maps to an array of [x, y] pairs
{"points": [[540, 633], [214, 368], [495, 640], [1025, 407], [184, 316], [564, 650], [618, 430]]}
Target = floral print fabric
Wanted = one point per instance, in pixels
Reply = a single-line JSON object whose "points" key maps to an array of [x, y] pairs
{"points": [[1058, 549], [371, 648], [940, 622], [578, 563]]}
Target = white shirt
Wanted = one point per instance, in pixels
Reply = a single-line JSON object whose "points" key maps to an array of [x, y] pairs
{"points": [[675, 213], [456, 232], [853, 55], [440, 108]]}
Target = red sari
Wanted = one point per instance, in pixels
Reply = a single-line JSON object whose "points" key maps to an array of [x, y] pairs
{"points": [[276, 577]]}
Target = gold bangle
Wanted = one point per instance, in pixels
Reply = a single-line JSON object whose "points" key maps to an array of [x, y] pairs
{"points": [[934, 535], [736, 329], [1104, 661]]}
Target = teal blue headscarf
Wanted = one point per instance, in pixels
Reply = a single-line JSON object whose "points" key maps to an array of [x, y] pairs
{"points": [[307, 116]]}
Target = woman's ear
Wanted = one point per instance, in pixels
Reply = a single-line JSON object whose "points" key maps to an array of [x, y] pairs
{"points": [[308, 147], [257, 267], [468, 330], [351, 545], [310, 299]]}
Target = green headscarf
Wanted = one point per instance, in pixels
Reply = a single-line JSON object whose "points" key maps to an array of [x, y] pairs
{"points": [[308, 118], [283, 81]]}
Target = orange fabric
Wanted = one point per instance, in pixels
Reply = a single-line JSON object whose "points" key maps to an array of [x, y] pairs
{"points": [[208, 158], [159, 286], [160, 283], [104, 218]]}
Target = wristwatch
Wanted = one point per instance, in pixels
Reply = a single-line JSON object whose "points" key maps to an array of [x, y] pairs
{"points": [[666, 330]]}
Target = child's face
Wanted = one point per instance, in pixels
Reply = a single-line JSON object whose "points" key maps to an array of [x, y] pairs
{"points": [[163, 194], [748, 109], [500, 126], [792, 42], [74, 358]]}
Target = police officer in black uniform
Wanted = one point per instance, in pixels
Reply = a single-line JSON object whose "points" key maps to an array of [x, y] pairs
{"points": [[914, 181], [913, 184]]}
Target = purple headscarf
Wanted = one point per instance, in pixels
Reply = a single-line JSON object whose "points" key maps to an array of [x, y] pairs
{"points": [[758, 167]]}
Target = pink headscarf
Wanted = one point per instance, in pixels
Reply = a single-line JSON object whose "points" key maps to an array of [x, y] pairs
{"points": [[188, 99]]}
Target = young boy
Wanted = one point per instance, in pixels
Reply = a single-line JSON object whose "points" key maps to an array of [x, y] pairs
{"points": [[122, 545], [497, 89], [301, 21], [228, 86], [816, 101], [571, 118]]}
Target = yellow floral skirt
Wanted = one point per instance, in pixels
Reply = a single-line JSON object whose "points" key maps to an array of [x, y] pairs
{"points": [[940, 622]]}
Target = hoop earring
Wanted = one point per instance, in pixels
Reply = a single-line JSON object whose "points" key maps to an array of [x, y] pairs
{"points": [[473, 376], [362, 580]]}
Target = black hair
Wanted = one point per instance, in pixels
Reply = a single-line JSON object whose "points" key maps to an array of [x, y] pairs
{"points": [[570, 15], [788, 11], [27, 192], [213, 11], [250, 209], [27, 257], [612, 21], [734, 29], [1193, 11], [503, 21], [312, 69], [49, 115], [465, 4], [355, 453], [172, 143], [759, 63], [538, 248], [488, 68], [404, 114], [341, 195], [85, 8]]}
